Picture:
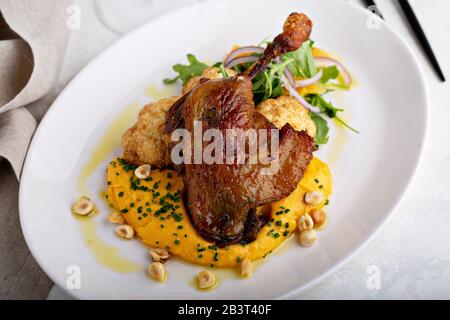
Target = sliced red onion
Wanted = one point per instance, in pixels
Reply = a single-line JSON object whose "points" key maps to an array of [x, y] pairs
{"points": [[289, 77], [240, 60], [287, 73], [328, 62], [310, 81], [247, 50], [289, 84], [298, 96]]}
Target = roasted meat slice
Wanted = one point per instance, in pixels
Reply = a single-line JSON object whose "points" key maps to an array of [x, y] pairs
{"points": [[222, 197]]}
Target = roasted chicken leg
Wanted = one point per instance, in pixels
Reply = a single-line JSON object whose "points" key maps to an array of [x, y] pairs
{"points": [[222, 197]]}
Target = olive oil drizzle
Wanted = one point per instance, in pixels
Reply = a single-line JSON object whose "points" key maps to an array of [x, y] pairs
{"points": [[107, 144], [104, 253]]}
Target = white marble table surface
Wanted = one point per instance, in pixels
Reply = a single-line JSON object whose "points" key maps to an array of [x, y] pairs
{"points": [[412, 251]]}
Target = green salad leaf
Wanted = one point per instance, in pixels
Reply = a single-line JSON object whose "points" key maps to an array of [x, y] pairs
{"points": [[269, 85], [327, 108], [303, 64], [324, 106], [222, 70], [329, 73], [187, 72], [322, 128]]}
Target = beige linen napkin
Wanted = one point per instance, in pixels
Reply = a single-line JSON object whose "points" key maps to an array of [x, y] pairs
{"points": [[33, 39]]}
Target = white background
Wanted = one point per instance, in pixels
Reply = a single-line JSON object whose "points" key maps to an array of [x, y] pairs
{"points": [[412, 251]]}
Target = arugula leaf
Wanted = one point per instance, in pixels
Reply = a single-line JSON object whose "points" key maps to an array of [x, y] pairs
{"points": [[322, 129], [222, 70], [327, 108], [265, 87], [170, 81], [268, 84], [187, 72], [324, 106], [279, 68], [303, 64], [329, 73]]}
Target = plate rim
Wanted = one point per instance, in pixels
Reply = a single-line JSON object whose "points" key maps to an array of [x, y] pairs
{"points": [[293, 292], [391, 211]]}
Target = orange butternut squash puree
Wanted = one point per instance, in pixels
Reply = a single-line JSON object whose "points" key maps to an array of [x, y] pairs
{"points": [[175, 232]]}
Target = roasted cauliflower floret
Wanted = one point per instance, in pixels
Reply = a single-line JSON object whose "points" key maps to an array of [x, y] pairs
{"points": [[286, 109], [146, 142], [209, 73]]}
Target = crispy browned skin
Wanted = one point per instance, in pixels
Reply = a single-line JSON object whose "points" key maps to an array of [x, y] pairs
{"points": [[222, 198]]}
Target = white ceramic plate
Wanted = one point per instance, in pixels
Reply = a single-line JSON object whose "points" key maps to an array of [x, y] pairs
{"points": [[371, 170]]}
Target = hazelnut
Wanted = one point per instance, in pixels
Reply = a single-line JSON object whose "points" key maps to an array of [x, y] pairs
{"points": [[314, 198], [125, 231], [305, 222], [319, 217], [157, 271], [116, 217], [246, 268], [159, 255], [206, 279], [83, 206], [307, 238], [142, 172]]}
